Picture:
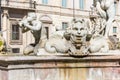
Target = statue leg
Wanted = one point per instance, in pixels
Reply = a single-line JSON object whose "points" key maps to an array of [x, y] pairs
{"points": [[28, 49], [111, 15]]}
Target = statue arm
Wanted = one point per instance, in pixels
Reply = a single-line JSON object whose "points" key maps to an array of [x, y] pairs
{"points": [[25, 30], [36, 26], [101, 12], [94, 3], [22, 26]]}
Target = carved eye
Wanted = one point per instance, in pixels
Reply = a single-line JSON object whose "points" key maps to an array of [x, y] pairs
{"points": [[82, 29], [75, 28]]}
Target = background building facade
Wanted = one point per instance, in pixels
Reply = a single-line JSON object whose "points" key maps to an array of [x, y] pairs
{"points": [[53, 13]]}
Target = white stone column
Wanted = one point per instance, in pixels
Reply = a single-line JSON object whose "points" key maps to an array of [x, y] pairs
{"points": [[5, 23]]}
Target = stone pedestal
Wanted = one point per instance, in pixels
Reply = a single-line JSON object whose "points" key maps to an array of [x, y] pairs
{"points": [[59, 67]]}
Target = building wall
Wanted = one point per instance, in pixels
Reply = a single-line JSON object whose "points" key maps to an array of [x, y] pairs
{"points": [[16, 10]]}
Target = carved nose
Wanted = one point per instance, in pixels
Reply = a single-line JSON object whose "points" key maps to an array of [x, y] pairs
{"points": [[78, 32]]}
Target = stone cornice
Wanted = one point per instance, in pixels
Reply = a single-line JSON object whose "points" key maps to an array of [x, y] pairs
{"points": [[62, 14], [9, 7], [56, 61], [60, 7]]}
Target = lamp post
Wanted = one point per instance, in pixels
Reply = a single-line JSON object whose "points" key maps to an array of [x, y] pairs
{"points": [[34, 4], [73, 10], [73, 15]]}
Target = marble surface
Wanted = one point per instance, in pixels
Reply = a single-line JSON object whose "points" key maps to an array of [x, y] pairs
{"points": [[60, 67]]}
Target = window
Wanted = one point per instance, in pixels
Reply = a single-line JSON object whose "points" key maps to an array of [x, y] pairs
{"points": [[45, 1], [116, 7], [64, 3], [15, 33], [114, 29], [16, 50], [81, 4], [64, 25]]}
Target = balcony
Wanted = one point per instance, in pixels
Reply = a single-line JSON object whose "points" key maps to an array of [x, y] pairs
{"points": [[18, 4]]}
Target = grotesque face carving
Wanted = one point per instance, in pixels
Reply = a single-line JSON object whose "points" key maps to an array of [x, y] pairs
{"points": [[79, 31]]}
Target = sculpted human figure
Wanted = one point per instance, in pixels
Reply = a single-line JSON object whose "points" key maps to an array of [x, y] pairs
{"points": [[34, 25], [106, 10]]}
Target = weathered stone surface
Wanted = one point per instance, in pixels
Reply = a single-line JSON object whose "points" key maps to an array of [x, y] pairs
{"points": [[60, 67]]}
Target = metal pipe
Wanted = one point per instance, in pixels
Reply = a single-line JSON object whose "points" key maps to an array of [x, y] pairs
{"points": [[73, 9]]}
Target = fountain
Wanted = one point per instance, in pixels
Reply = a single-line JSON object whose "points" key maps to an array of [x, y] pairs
{"points": [[81, 52], [80, 39]]}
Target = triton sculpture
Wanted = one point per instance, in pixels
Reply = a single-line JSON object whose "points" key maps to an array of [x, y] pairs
{"points": [[30, 23]]}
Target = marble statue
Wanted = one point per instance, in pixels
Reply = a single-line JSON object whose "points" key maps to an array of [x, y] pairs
{"points": [[97, 41], [106, 10], [88, 40], [57, 44], [33, 24], [72, 41], [78, 39]]}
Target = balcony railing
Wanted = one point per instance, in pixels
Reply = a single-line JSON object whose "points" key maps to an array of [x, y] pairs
{"points": [[18, 4]]}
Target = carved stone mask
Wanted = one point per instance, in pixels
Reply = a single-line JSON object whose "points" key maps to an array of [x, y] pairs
{"points": [[78, 31]]}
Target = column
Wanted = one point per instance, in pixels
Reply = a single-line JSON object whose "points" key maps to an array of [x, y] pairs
{"points": [[5, 23]]}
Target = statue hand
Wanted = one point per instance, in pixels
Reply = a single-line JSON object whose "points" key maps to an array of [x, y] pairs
{"points": [[24, 29], [20, 24]]}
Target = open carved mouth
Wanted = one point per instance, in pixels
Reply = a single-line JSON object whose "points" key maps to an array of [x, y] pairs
{"points": [[76, 39], [78, 36]]}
